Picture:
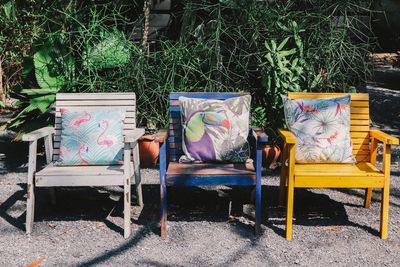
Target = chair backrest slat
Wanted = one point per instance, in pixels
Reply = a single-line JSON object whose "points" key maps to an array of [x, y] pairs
{"points": [[93, 102], [175, 128], [359, 119]]}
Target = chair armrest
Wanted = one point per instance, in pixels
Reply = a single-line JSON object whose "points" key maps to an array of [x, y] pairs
{"points": [[259, 135], [383, 137], [37, 134], [132, 136], [287, 136], [161, 136]]}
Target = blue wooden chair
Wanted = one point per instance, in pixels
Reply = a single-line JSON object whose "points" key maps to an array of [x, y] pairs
{"points": [[173, 173]]}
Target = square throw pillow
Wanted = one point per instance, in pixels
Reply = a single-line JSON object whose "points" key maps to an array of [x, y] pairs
{"points": [[322, 129], [91, 137], [215, 130]]}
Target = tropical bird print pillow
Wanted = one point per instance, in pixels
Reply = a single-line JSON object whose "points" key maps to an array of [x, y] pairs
{"points": [[322, 129], [215, 130], [91, 138]]}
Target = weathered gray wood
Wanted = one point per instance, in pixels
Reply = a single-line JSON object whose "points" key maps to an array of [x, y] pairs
{"points": [[68, 180], [37, 134], [132, 136], [79, 96], [53, 176], [138, 179], [48, 145], [30, 198], [127, 191], [96, 102], [97, 170]]}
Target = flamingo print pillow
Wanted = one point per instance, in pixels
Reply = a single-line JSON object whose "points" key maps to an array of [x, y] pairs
{"points": [[215, 130], [322, 129], [91, 138]]}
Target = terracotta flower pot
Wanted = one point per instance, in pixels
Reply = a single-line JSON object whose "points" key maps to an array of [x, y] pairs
{"points": [[149, 151], [271, 156]]}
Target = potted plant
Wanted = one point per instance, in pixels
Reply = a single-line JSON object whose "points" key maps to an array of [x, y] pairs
{"points": [[271, 151], [149, 148]]}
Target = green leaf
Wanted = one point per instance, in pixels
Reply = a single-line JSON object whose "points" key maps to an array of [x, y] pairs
{"points": [[269, 58], [9, 10], [286, 53], [42, 102], [43, 62], [39, 91], [112, 49], [273, 45], [282, 27], [316, 81], [2, 104], [283, 43], [267, 45]]}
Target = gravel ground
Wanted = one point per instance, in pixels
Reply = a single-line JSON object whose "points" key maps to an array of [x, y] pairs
{"points": [[331, 228]]}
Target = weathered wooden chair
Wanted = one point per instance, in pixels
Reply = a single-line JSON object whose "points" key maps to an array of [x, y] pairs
{"points": [[363, 174], [55, 176], [173, 173]]}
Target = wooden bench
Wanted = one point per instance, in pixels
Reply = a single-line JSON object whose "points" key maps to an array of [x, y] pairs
{"points": [[54, 176], [363, 174], [173, 173]]}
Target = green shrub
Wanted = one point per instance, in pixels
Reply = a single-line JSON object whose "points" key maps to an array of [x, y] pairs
{"points": [[265, 47]]}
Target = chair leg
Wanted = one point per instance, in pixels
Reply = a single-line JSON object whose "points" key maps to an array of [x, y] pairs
{"points": [[258, 209], [283, 177], [127, 211], [138, 179], [368, 196], [384, 213], [163, 219], [30, 199], [385, 192], [289, 210], [30, 208], [127, 192]]}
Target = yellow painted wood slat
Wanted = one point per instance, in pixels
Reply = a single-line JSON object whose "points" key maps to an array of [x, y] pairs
{"points": [[359, 169], [359, 122], [361, 147], [362, 158], [359, 128], [354, 104], [359, 117], [363, 110], [359, 135], [307, 95], [360, 141], [339, 182]]}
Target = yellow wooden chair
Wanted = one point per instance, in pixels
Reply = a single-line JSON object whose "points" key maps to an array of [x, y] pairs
{"points": [[363, 174]]}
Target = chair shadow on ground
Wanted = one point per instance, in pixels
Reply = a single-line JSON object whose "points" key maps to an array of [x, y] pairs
{"points": [[310, 209], [184, 204]]}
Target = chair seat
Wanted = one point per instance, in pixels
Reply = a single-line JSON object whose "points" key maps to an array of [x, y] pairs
{"points": [[359, 175], [101, 175], [203, 174]]}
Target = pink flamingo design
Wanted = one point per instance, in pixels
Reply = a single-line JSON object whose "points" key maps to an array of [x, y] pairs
{"points": [[84, 147], [106, 140], [78, 121], [64, 151]]}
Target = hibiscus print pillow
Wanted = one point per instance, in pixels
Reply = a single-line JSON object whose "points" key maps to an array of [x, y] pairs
{"points": [[91, 137], [322, 129]]}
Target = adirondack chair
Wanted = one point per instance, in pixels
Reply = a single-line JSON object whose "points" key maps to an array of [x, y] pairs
{"points": [[175, 174], [55, 176], [363, 174]]}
